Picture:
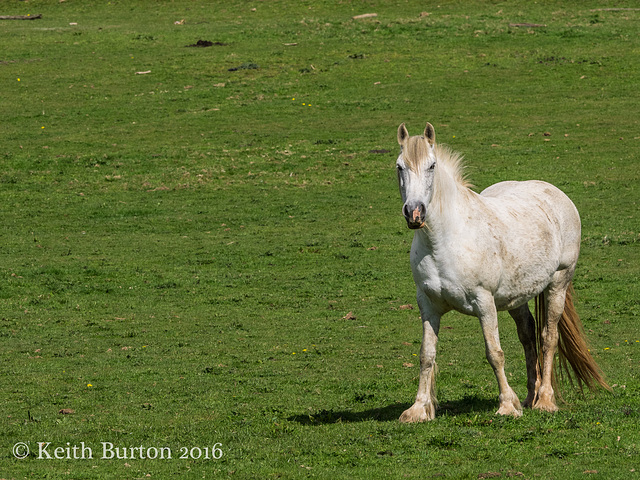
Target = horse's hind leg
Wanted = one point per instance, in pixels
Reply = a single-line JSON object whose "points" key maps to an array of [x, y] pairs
{"points": [[509, 403], [553, 307], [527, 335], [424, 408]]}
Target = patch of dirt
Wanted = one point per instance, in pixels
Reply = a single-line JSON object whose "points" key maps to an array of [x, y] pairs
{"points": [[207, 43]]}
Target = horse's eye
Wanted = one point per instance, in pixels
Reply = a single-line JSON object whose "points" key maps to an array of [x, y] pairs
{"points": [[432, 166]]}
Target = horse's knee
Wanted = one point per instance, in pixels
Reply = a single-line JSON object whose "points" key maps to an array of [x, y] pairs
{"points": [[495, 357]]}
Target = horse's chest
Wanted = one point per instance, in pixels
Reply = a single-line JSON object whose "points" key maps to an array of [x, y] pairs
{"points": [[439, 281]]}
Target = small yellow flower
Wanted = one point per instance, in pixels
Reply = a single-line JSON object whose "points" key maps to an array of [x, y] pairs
{"points": [[304, 104], [89, 385], [18, 79], [606, 348], [304, 349], [43, 128], [293, 99], [293, 353]]}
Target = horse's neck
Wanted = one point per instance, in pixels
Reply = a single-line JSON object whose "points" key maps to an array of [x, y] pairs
{"points": [[448, 211]]}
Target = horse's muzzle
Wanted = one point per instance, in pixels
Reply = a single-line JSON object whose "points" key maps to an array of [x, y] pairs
{"points": [[415, 214]]}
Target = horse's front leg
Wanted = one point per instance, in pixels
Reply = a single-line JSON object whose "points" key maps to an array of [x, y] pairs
{"points": [[424, 408], [509, 403]]}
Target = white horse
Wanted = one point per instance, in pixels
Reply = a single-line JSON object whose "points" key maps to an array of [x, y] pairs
{"points": [[480, 253]]}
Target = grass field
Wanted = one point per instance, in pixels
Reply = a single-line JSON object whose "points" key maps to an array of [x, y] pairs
{"points": [[203, 252]]}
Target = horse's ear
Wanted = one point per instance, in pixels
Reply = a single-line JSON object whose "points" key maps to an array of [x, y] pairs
{"points": [[403, 134], [430, 134]]}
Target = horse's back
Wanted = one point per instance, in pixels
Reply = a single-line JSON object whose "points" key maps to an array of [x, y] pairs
{"points": [[526, 189], [534, 194], [535, 205]]}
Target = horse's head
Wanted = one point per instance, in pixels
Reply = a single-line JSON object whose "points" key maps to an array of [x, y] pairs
{"points": [[416, 169]]}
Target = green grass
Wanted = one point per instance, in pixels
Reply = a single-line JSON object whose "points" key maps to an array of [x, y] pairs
{"points": [[189, 241]]}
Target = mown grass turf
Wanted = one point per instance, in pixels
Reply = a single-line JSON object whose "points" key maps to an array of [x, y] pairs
{"points": [[182, 248]]}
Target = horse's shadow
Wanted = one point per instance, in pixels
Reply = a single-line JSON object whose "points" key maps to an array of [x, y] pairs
{"points": [[465, 405]]}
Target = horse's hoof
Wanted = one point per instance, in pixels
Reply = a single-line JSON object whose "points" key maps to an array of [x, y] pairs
{"points": [[510, 405], [546, 401], [545, 406], [509, 409], [418, 413]]}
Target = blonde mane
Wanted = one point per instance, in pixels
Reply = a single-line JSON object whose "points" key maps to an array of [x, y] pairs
{"points": [[452, 163], [449, 165]]}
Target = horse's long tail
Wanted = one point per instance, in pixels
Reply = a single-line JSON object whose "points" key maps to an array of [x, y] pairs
{"points": [[573, 350]]}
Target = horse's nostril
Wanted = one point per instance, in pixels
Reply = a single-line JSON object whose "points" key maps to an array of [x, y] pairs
{"points": [[405, 211]]}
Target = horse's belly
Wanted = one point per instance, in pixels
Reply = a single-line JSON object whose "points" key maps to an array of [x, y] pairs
{"points": [[511, 302], [519, 284]]}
